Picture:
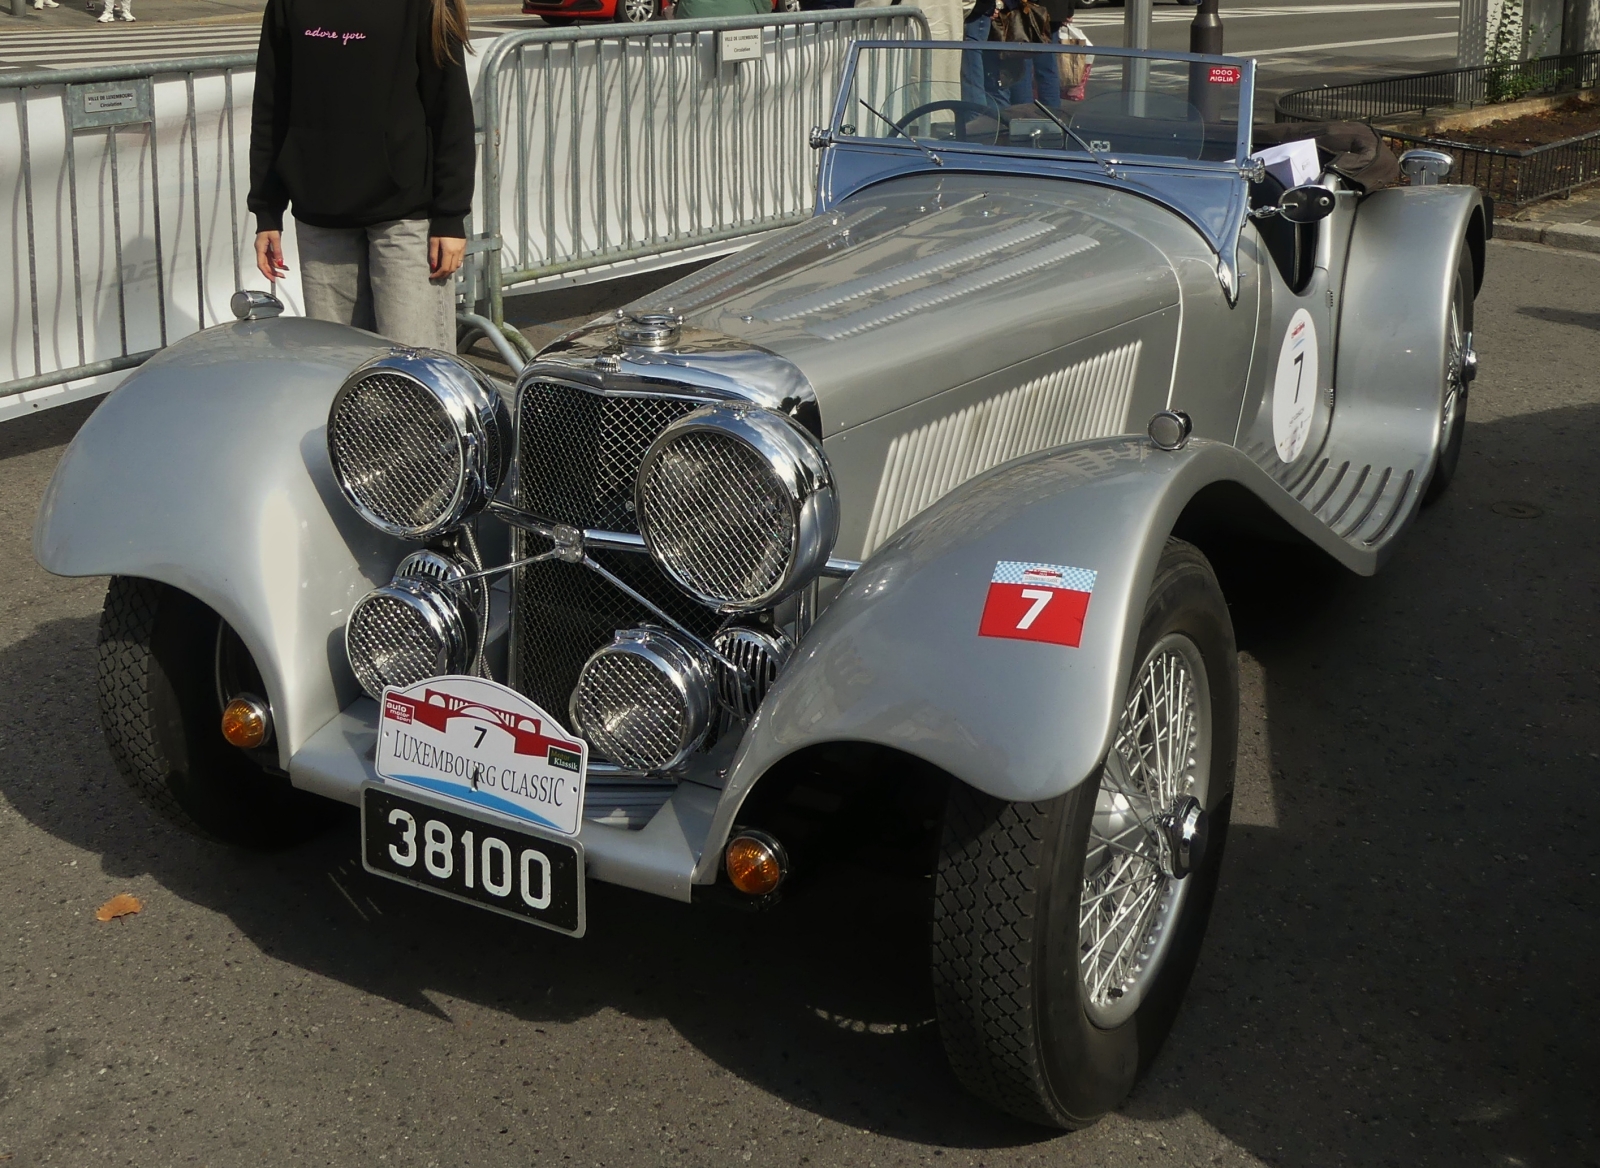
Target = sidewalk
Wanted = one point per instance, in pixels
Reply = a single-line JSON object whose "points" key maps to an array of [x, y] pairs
{"points": [[74, 14], [1572, 223]]}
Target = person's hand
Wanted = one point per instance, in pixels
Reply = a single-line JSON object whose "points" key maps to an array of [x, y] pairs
{"points": [[269, 255], [445, 255]]}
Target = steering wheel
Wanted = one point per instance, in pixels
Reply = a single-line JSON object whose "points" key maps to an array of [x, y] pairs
{"points": [[966, 109]]}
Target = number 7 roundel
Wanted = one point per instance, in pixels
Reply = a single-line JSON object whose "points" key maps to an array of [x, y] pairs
{"points": [[1037, 602]]}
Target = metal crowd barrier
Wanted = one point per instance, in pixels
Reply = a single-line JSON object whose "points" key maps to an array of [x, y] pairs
{"points": [[602, 149], [124, 201], [575, 179]]}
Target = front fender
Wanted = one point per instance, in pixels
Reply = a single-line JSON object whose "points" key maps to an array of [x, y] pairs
{"points": [[896, 659], [1404, 251], [208, 470]]}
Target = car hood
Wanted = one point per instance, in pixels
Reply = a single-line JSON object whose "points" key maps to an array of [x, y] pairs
{"points": [[922, 284]]}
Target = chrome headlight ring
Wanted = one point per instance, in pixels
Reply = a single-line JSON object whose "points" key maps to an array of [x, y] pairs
{"points": [[419, 441], [421, 624], [737, 505], [644, 701]]}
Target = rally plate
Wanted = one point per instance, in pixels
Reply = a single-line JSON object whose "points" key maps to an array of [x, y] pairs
{"points": [[480, 859]]}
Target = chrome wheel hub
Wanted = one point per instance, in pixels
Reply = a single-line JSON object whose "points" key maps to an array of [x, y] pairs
{"points": [[1149, 830]]}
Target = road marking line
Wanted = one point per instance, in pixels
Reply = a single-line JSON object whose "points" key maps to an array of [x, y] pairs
{"points": [[1289, 52]]}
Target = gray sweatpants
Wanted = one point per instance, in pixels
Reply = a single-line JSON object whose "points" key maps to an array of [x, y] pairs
{"points": [[376, 278]]}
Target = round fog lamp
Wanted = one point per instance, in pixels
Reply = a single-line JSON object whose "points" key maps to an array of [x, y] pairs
{"points": [[644, 701], [246, 722], [407, 631], [756, 862]]}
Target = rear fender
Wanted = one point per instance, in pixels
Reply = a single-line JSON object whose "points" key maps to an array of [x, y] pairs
{"points": [[208, 470], [896, 658]]}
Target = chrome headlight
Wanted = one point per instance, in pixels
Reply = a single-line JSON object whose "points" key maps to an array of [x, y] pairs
{"points": [[644, 701], [737, 505], [415, 627], [419, 442]]}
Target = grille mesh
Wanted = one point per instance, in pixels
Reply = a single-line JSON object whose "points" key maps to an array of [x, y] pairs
{"points": [[390, 644], [396, 450], [719, 517], [565, 612], [630, 711], [581, 452]]}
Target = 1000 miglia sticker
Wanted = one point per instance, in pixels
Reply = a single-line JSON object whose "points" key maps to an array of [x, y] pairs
{"points": [[1037, 602]]}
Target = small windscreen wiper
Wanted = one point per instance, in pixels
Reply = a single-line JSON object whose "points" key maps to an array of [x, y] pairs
{"points": [[937, 161], [1076, 137]]}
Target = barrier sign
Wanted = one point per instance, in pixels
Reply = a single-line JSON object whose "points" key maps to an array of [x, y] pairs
{"points": [[739, 44], [110, 103]]}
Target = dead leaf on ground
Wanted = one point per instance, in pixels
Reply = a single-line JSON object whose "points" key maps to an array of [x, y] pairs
{"points": [[120, 905]]}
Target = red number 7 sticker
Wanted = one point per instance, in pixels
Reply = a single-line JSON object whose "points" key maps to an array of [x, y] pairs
{"points": [[1037, 602]]}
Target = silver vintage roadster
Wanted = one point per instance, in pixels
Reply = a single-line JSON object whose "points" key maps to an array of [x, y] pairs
{"points": [[891, 527]]}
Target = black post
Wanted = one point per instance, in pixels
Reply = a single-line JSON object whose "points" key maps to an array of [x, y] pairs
{"points": [[1205, 36]]}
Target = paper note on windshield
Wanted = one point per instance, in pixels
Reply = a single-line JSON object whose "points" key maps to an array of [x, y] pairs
{"points": [[1293, 163]]}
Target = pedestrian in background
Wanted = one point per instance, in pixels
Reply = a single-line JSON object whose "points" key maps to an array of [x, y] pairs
{"points": [[363, 127], [1074, 68]]}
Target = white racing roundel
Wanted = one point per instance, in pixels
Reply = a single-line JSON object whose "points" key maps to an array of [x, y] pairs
{"points": [[1294, 392]]}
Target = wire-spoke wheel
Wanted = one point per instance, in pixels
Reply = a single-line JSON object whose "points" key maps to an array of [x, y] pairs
{"points": [[1460, 367], [1065, 932], [1132, 887]]}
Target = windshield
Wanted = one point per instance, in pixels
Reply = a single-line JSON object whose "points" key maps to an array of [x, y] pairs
{"points": [[1104, 104]]}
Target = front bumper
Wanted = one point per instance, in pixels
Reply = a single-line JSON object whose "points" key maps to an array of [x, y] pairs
{"points": [[660, 857]]}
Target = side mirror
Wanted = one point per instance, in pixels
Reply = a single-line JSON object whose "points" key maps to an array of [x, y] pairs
{"points": [[1307, 204], [1426, 167]]}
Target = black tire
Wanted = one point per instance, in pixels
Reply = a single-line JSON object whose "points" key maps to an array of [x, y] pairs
{"points": [[161, 712], [1453, 427], [1009, 998]]}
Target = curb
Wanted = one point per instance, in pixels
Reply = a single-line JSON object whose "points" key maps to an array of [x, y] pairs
{"points": [[1572, 236]]}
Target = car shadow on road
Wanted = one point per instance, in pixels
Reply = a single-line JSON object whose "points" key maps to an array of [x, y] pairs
{"points": [[1399, 968]]}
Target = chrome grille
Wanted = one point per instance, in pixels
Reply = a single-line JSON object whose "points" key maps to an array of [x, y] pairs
{"points": [[564, 612], [398, 452], [390, 643], [580, 452], [719, 517], [578, 457], [631, 711]]}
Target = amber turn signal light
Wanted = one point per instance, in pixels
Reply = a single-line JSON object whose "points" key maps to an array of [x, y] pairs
{"points": [[246, 722], [756, 862]]}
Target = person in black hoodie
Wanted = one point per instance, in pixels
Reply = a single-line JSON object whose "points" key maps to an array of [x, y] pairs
{"points": [[363, 125]]}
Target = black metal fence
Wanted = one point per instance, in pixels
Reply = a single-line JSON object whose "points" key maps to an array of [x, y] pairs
{"points": [[1516, 177], [1418, 93]]}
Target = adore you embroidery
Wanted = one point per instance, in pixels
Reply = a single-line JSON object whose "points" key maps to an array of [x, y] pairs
{"points": [[344, 38]]}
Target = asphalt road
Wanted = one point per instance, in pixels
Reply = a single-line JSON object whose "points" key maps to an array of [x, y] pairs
{"points": [[1304, 44], [1400, 969]]}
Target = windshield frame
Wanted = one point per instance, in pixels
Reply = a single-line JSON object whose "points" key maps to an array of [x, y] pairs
{"points": [[1247, 78]]}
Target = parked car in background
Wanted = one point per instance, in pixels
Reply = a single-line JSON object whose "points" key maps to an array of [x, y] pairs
{"points": [[888, 535]]}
